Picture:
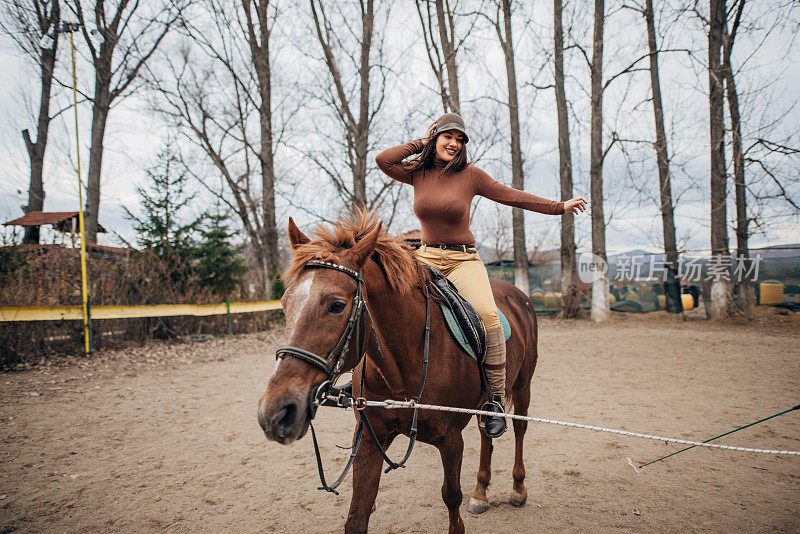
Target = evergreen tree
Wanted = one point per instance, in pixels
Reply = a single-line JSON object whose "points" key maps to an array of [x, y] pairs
{"points": [[161, 228], [162, 231], [278, 289], [218, 268]]}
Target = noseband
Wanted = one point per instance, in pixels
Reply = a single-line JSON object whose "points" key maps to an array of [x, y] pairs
{"points": [[331, 365]]}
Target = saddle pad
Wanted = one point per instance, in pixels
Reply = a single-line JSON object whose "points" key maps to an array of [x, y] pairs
{"points": [[458, 334], [466, 316], [506, 326]]}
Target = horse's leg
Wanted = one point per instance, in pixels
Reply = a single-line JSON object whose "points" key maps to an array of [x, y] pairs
{"points": [[522, 399], [451, 449], [479, 502], [367, 469]]}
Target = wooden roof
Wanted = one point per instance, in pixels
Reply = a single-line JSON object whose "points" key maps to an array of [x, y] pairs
{"points": [[58, 219]]}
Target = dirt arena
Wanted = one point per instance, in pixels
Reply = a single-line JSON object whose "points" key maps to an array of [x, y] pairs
{"points": [[165, 438]]}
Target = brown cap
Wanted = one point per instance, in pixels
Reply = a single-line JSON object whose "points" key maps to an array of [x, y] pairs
{"points": [[451, 121]]}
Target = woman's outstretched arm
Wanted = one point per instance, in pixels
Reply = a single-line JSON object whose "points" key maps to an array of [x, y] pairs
{"points": [[390, 160], [487, 187]]}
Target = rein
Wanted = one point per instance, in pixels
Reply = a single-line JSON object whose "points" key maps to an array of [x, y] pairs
{"points": [[329, 395]]}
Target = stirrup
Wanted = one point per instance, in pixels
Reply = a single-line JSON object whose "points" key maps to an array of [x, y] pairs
{"points": [[492, 405]]}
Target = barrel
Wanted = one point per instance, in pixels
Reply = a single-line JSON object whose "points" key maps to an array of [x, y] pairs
{"points": [[771, 292], [687, 301], [552, 301]]}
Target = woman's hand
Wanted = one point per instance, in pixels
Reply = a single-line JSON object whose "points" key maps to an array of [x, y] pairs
{"points": [[428, 133], [575, 205]]}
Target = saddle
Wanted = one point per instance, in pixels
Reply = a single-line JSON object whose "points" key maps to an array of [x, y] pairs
{"points": [[462, 320]]}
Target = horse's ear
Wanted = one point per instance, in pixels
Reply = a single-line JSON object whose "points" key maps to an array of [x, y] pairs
{"points": [[296, 237], [364, 247]]}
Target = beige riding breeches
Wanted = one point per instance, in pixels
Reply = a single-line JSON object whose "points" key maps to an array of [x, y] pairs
{"points": [[467, 272]]}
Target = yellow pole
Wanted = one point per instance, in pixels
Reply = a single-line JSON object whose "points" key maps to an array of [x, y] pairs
{"points": [[84, 290]]}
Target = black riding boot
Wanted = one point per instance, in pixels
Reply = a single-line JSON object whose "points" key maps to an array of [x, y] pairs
{"points": [[494, 426], [495, 367]]}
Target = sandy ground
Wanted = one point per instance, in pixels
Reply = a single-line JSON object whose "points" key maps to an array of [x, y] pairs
{"points": [[165, 438]]}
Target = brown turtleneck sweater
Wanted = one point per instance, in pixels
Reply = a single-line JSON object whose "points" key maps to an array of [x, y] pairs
{"points": [[442, 201]]}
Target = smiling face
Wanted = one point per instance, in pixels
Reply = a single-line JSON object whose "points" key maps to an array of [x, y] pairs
{"points": [[448, 144]]}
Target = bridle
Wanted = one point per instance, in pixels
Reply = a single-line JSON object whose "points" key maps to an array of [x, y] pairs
{"points": [[327, 394], [332, 364]]}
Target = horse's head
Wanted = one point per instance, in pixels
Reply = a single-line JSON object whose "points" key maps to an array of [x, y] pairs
{"points": [[317, 305]]}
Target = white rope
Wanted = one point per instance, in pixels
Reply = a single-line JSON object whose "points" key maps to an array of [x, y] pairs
{"points": [[393, 404]]}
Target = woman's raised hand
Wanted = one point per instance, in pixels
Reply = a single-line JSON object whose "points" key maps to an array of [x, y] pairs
{"points": [[428, 133], [575, 205]]}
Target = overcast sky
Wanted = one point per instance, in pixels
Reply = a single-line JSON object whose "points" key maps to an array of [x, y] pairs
{"points": [[135, 134]]}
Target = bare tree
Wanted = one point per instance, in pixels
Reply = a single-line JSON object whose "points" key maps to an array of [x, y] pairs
{"points": [[570, 302], [442, 51], [600, 287], [721, 295], [258, 40], [27, 22], [502, 26], [521, 279], [224, 107], [129, 34], [747, 296], [672, 283], [355, 112]]}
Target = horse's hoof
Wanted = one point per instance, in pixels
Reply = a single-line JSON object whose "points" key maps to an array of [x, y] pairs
{"points": [[477, 507], [518, 499]]}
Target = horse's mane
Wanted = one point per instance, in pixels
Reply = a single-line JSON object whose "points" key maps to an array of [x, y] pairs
{"points": [[401, 269]]}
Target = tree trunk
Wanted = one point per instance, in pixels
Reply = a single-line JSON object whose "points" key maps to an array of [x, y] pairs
{"points": [[445, 23], [721, 298], [258, 33], [137, 38], [356, 126], [362, 133], [36, 150], [444, 63], [521, 279], [100, 108], [747, 295], [570, 302], [672, 289], [600, 289]]}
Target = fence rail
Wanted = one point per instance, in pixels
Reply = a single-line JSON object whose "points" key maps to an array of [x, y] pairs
{"points": [[72, 313]]}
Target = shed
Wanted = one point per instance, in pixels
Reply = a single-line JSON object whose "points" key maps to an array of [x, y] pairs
{"points": [[62, 221]]}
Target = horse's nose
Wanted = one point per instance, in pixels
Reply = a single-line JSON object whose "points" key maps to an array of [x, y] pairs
{"points": [[284, 421], [262, 418]]}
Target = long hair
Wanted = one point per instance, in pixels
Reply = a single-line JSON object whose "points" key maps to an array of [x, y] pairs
{"points": [[426, 158]]}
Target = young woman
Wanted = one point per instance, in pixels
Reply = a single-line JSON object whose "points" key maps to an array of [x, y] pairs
{"points": [[444, 184]]}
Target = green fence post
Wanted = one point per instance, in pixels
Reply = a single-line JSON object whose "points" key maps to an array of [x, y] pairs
{"points": [[228, 307]]}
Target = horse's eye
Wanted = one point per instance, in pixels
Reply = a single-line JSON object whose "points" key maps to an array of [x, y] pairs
{"points": [[336, 307]]}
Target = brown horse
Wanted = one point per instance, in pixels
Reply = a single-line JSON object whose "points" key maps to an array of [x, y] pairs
{"points": [[317, 303]]}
